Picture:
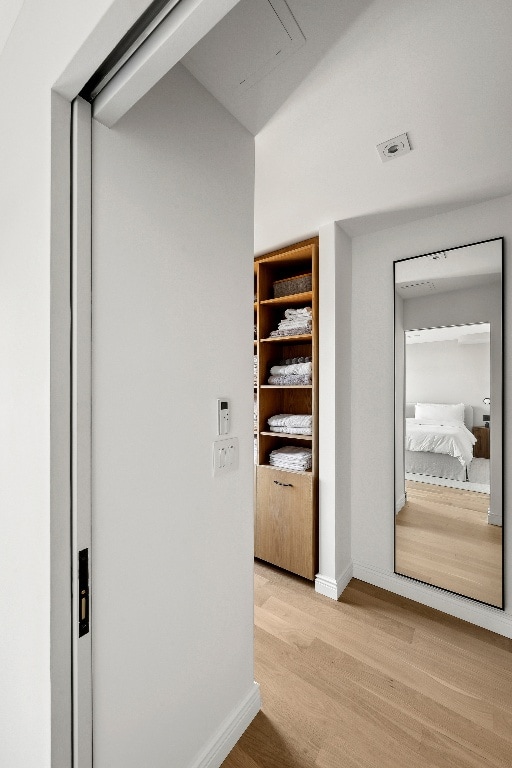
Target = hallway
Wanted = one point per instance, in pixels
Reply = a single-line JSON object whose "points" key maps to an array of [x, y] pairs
{"points": [[372, 681]]}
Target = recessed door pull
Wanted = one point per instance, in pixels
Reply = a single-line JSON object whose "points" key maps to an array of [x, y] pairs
{"points": [[285, 485], [83, 591]]}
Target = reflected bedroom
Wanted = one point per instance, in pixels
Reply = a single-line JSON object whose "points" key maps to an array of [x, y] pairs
{"points": [[448, 435]]}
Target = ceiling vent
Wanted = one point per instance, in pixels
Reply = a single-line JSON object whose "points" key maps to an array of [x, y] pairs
{"points": [[394, 147], [252, 40], [415, 289], [424, 285]]}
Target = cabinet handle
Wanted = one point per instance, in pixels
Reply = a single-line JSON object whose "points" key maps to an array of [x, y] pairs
{"points": [[285, 485]]}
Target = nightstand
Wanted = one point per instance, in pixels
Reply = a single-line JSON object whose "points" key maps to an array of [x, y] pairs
{"points": [[482, 448]]}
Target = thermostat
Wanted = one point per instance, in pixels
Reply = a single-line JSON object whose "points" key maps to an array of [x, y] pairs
{"points": [[223, 416]]}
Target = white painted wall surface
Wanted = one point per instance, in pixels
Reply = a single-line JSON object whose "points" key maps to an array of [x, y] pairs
{"points": [[372, 396], [40, 46], [172, 313], [402, 65], [335, 309], [449, 372]]}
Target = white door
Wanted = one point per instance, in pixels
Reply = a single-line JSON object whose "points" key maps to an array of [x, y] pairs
{"points": [[171, 547], [81, 433]]}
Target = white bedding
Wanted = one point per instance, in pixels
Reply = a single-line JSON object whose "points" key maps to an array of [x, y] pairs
{"points": [[430, 436]]}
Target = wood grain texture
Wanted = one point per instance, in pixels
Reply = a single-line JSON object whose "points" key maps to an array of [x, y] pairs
{"points": [[372, 681], [443, 538], [482, 449], [285, 525]]}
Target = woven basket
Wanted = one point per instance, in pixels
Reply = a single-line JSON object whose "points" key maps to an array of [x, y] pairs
{"points": [[292, 285]]}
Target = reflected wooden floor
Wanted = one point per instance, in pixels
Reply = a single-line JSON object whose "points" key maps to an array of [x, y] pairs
{"points": [[442, 537], [372, 681]]}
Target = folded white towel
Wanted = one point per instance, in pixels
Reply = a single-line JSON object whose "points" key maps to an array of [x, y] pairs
{"points": [[293, 467], [292, 452], [293, 331], [286, 370], [297, 322], [294, 463], [292, 430], [291, 420], [296, 313]]}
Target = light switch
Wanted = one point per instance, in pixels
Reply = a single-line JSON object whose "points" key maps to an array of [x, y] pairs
{"points": [[225, 456]]}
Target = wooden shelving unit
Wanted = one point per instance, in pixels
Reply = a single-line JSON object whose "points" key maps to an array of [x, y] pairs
{"points": [[286, 517]]}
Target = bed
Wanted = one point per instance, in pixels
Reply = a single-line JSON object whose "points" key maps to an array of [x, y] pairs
{"points": [[436, 444]]}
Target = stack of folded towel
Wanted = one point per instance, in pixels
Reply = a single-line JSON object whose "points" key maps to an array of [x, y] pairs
{"points": [[255, 370], [294, 360], [292, 457], [291, 423], [295, 322], [291, 373]]}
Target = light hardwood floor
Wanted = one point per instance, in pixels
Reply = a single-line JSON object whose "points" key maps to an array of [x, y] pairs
{"points": [[443, 538], [372, 681]]}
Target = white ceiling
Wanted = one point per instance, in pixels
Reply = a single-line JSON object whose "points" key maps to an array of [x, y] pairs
{"points": [[351, 74], [440, 70], [477, 333], [450, 270], [9, 11], [268, 46]]}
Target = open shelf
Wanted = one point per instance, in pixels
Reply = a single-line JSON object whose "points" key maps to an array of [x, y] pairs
{"points": [[287, 436], [286, 386], [286, 499], [287, 339], [293, 298], [281, 469]]}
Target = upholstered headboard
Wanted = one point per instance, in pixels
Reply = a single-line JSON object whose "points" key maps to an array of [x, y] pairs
{"points": [[468, 414]]}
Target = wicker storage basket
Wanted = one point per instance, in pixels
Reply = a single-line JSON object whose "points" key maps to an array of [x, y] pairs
{"points": [[292, 285]]}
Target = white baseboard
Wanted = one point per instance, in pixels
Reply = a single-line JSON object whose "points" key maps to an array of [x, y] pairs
{"points": [[400, 503], [333, 588], [463, 608], [494, 519], [230, 731]]}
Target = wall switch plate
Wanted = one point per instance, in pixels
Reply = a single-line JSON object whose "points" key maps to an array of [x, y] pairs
{"points": [[225, 456], [223, 416]]}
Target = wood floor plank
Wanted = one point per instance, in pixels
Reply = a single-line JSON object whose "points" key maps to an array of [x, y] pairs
{"points": [[443, 538], [372, 681], [391, 657], [458, 633]]}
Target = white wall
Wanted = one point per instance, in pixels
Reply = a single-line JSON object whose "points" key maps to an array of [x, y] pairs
{"points": [[449, 372], [42, 42], [172, 312], [402, 65], [335, 309], [373, 395], [471, 305]]}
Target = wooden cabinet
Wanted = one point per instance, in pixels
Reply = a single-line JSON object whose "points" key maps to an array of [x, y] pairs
{"points": [[285, 529], [286, 501], [482, 448]]}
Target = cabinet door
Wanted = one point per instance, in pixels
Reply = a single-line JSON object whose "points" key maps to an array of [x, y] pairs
{"points": [[285, 526]]}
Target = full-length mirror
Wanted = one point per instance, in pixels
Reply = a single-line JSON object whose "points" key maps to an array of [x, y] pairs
{"points": [[448, 420]]}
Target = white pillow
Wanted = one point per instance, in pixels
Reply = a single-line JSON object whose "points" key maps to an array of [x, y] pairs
{"points": [[440, 412]]}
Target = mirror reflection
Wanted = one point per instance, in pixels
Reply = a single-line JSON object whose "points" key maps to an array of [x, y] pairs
{"points": [[448, 420]]}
